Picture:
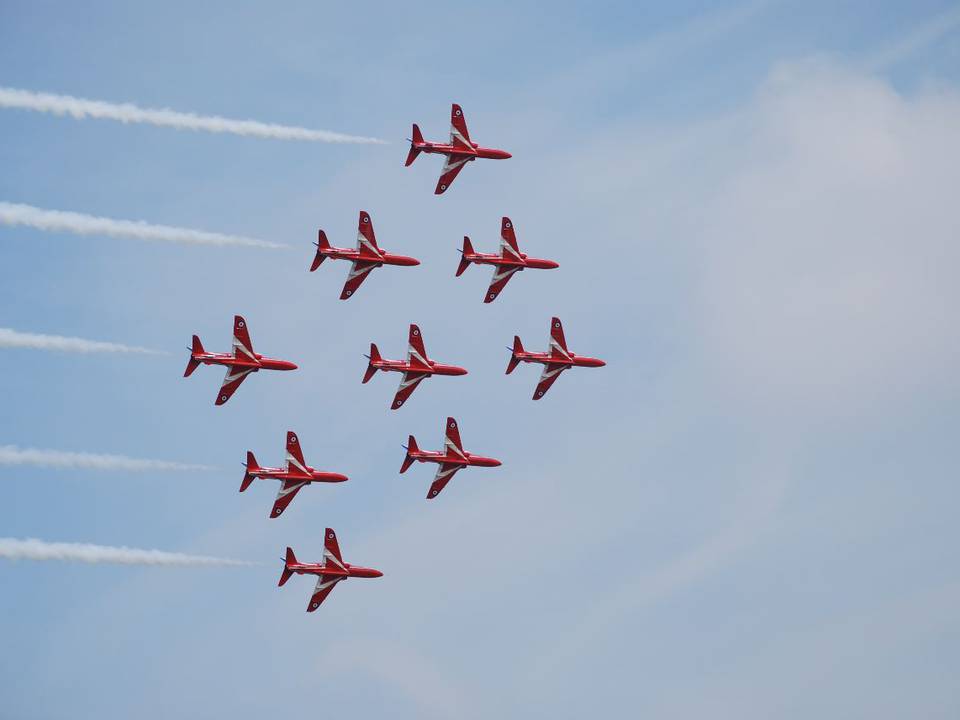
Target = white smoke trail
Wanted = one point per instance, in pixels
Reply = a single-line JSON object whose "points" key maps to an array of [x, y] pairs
{"points": [[81, 224], [13, 455], [128, 113], [33, 549], [33, 341]]}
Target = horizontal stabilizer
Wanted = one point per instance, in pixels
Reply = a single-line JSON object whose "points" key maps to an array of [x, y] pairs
{"points": [[467, 250], [411, 448], [289, 560], [248, 476], [374, 357], [322, 244], [514, 360]]}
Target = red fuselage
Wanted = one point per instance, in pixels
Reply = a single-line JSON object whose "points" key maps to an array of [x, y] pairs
{"points": [[332, 569], [439, 456], [403, 366], [459, 152], [267, 473], [505, 261], [261, 362], [353, 255], [548, 359]]}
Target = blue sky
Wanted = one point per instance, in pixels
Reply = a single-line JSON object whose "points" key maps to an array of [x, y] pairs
{"points": [[750, 512]]}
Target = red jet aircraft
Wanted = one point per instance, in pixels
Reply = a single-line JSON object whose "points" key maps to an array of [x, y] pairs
{"points": [[555, 361], [506, 263], [452, 458], [459, 151], [365, 257], [240, 363], [294, 475], [331, 571], [417, 367]]}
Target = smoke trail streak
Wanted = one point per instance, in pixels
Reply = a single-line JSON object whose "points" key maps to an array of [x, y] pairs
{"points": [[33, 549], [81, 224], [128, 113], [13, 455], [33, 341]]}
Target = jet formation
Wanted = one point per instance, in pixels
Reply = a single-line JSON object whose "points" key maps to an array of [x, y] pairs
{"points": [[295, 473]]}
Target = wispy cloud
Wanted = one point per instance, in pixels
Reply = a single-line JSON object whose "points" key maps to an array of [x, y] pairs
{"points": [[128, 113], [82, 224], [58, 343], [33, 549], [13, 455], [922, 36]]}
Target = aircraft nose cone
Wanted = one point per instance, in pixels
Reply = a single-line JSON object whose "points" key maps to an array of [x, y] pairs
{"points": [[377, 573], [495, 463], [460, 371], [601, 363], [506, 155]]}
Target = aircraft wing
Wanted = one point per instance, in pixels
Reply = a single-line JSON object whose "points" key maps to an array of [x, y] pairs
{"points": [[444, 473], [416, 350], [331, 549], [231, 382], [558, 344], [459, 136], [550, 374], [325, 584], [407, 385], [451, 168], [295, 461], [451, 439], [288, 490], [358, 273], [501, 276], [366, 240], [242, 347], [508, 241]]}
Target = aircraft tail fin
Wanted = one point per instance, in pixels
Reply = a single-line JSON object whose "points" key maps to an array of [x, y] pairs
{"points": [[289, 560], [467, 250], [252, 467], [416, 138], [195, 349], [411, 447], [322, 244], [374, 356], [514, 360]]}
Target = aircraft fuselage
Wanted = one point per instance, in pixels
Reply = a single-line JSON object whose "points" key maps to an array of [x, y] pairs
{"points": [[468, 460], [460, 152], [522, 262], [266, 473], [261, 362], [403, 366], [548, 359], [353, 255], [332, 569]]}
